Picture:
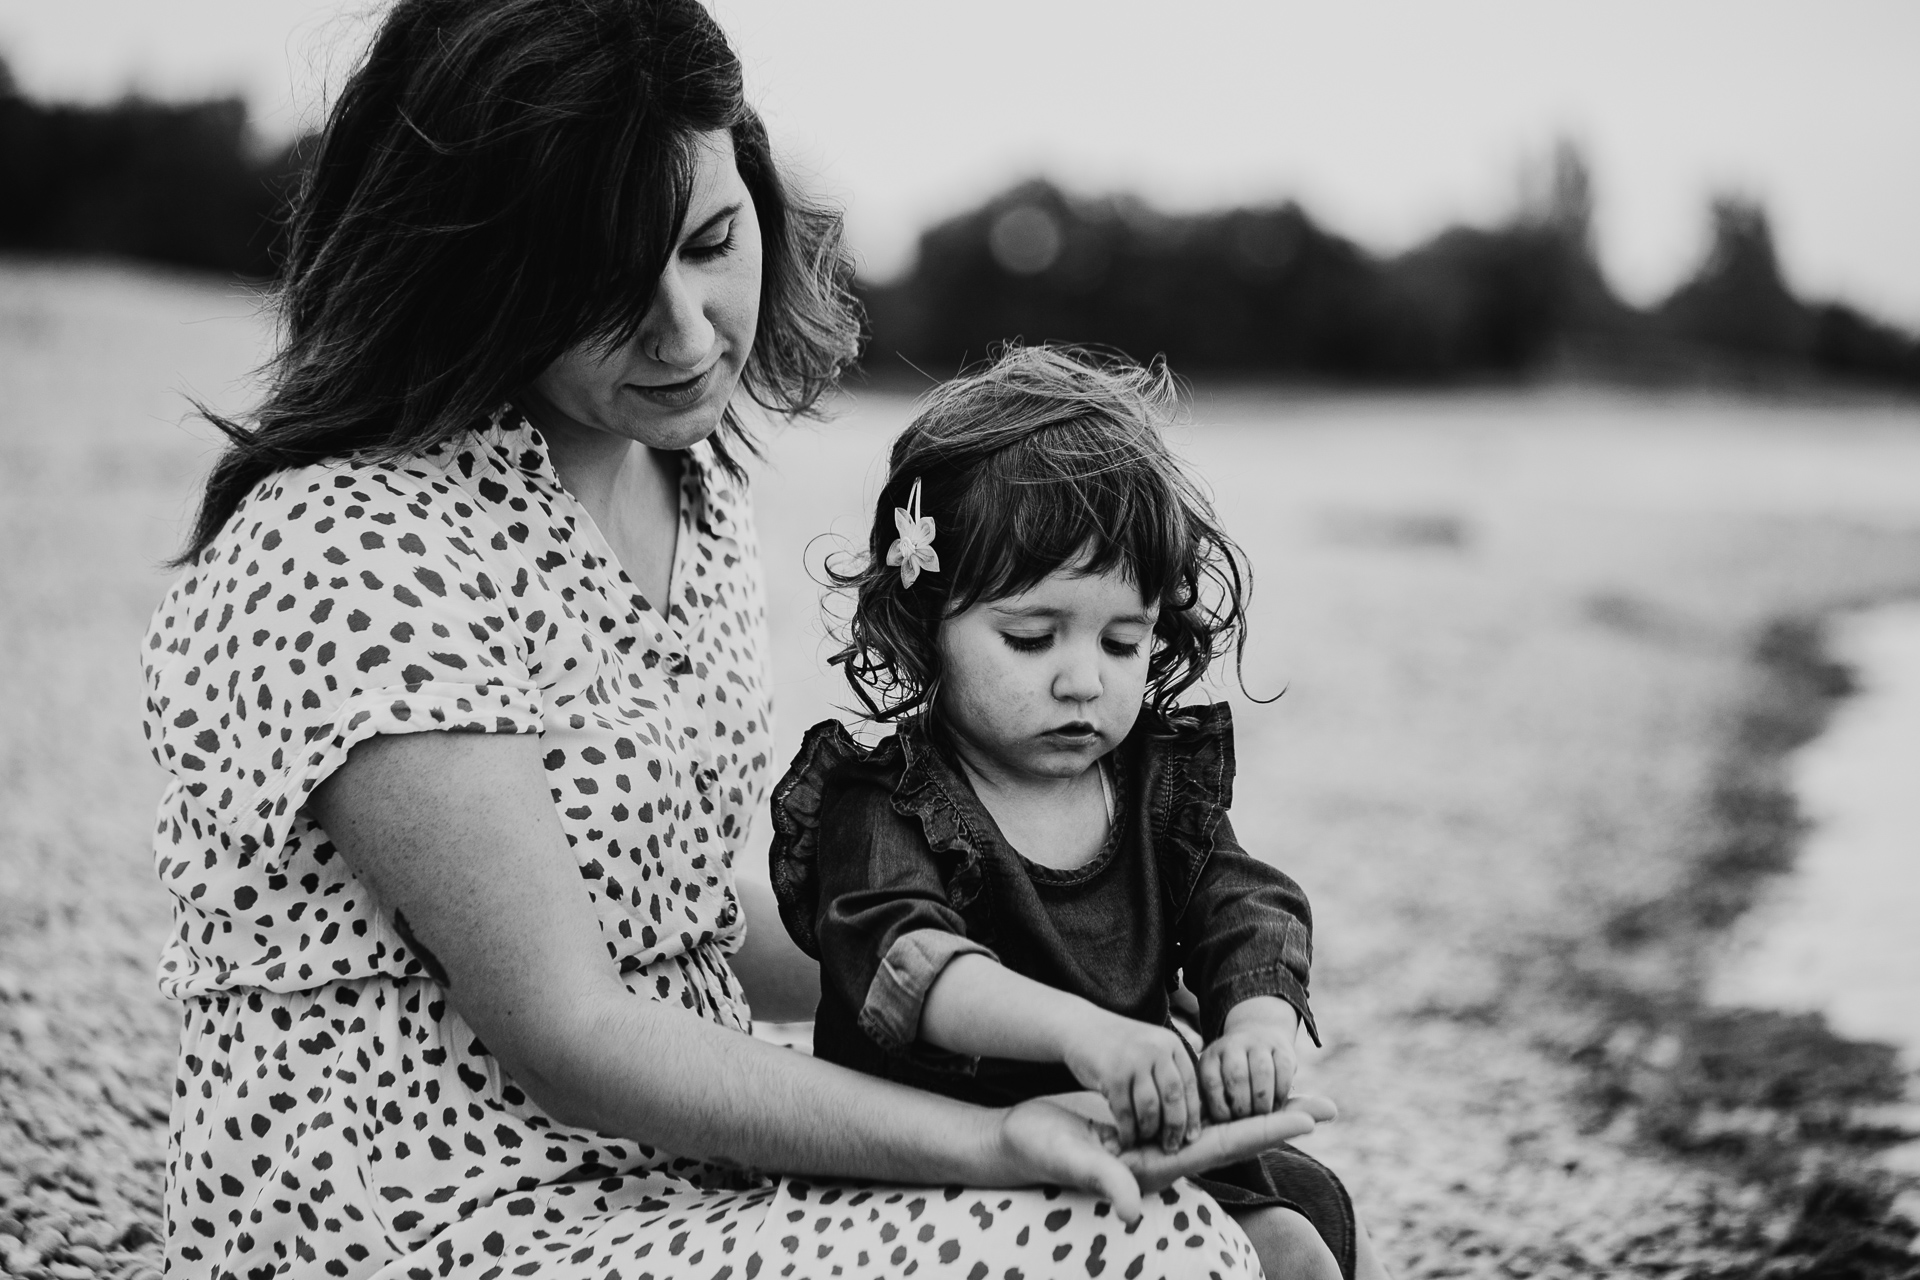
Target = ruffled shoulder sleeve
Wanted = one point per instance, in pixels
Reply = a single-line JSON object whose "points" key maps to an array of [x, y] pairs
{"points": [[1189, 757], [798, 802]]}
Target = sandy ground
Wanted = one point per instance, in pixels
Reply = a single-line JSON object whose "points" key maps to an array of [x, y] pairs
{"points": [[1514, 632]]}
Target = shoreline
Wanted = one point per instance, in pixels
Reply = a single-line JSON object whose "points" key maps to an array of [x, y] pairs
{"points": [[1777, 1098], [1837, 934]]}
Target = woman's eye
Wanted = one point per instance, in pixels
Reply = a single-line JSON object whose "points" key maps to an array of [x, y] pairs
{"points": [[1026, 644], [1123, 648], [712, 248]]}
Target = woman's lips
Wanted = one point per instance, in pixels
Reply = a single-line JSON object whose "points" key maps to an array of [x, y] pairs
{"points": [[677, 395]]}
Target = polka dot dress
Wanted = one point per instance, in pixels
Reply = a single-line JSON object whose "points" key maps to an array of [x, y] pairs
{"points": [[332, 1115]]}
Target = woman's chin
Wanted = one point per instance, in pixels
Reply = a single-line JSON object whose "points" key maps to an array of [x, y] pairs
{"points": [[668, 427]]}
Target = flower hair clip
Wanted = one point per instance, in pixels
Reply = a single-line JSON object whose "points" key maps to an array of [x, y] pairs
{"points": [[913, 549]]}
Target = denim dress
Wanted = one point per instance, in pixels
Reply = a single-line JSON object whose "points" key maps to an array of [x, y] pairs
{"points": [[887, 867]]}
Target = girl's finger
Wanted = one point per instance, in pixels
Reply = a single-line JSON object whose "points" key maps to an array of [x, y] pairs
{"points": [[1233, 1069], [1215, 1089], [1120, 1102], [1173, 1102], [1260, 1080], [1146, 1108], [1190, 1087], [1284, 1069]]}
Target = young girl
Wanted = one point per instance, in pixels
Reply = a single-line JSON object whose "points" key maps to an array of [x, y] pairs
{"points": [[1007, 894]]}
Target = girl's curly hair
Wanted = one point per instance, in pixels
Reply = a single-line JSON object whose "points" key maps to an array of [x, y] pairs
{"points": [[1043, 458]]}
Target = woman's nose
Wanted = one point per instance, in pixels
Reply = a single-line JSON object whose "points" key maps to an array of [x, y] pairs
{"points": [[677, 331]]}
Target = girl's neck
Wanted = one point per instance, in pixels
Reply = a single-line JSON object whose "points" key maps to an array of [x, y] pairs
{"points": [[1061, 823]]}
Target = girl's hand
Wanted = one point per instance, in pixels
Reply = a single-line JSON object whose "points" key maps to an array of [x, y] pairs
{"points": [[1249, 1069], [1145, 1074], [1064, 1142]]}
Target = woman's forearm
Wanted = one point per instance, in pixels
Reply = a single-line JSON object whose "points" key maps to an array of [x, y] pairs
{"points": [[981, 1008], [729, 1097], [627, 1065]]}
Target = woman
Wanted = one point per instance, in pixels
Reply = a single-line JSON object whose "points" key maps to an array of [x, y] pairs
{"points": [[464, 695]]}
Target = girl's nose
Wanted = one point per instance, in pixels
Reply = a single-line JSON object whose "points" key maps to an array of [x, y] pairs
{"points": [[1078, 679], [677, 331]]}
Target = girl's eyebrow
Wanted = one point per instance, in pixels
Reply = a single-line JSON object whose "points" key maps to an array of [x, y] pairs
{"points": [[1038, 611], [718, 217]]}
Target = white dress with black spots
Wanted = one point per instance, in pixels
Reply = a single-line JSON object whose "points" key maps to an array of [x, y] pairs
{"points": [[333, 1116]]}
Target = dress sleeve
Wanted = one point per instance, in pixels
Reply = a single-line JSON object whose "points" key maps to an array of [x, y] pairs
{"points": [[1247, 931], [885, 928], [340, 603]]}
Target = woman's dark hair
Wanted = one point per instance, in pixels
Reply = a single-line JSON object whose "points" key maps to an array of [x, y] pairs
{"points": [[499, 182], [1044, 459]]}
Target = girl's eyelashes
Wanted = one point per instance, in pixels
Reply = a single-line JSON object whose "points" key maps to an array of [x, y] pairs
{"points": [[1040, 643]]}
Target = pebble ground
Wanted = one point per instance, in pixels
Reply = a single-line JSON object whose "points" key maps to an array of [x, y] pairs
{"points": [[1514, 631]]}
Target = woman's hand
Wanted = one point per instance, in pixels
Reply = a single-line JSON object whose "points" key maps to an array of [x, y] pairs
{"points": [[1047, 1143], [1066, 1141], [1249, 1069], [1145, 1074], [1219, 1144]]}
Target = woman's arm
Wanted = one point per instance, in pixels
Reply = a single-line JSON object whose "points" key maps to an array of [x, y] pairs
{"points": [[457, 836]]}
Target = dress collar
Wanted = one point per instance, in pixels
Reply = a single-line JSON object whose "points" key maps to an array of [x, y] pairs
{"points": [[708, 491]]}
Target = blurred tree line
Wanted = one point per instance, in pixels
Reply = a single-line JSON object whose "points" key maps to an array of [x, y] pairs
{"points": [[183, 184], [1247, 292], [1267, 291]]}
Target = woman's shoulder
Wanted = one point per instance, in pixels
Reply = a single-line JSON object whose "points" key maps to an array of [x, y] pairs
{"points": [[462, 500]]}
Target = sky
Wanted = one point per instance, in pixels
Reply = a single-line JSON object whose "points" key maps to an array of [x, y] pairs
{"points": [[1387, 119]]}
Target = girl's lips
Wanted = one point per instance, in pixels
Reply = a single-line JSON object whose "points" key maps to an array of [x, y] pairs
{"points": [[677, 395]]}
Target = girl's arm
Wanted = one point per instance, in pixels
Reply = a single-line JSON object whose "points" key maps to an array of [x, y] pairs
{"points": [[1247, 931], [978, 1007], [456, 834], [894, 951]]}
